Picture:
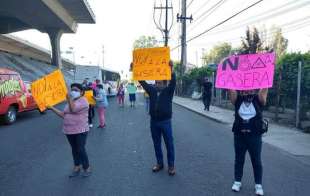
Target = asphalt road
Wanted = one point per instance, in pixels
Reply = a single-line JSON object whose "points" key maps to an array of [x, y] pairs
{"points": [[35, 159]]}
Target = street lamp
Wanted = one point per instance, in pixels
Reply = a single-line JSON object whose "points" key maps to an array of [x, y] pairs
{"points": [[71, 51]]}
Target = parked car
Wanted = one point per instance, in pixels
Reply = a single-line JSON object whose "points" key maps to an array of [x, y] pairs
{"points": [[15, 96]]}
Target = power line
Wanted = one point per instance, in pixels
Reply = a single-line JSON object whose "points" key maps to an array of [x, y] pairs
{"points": [[222, 22], [215, 6], [201, 7], [208, 12], [263, 16], [285, 28], [190, 3]]}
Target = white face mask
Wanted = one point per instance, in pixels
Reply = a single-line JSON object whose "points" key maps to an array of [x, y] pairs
{"points": [[75, 94]]}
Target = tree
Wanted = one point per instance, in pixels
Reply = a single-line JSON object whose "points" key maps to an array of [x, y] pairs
{"points": [[278, 43], [145, 42], [217, 53], [252, 43]]}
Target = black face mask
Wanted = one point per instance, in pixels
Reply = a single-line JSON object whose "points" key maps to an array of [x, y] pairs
{"points": [[159, 89], [248, 98]]}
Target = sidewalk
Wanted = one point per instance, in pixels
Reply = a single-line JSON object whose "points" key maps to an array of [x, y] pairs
{"points": [[288, 139]]}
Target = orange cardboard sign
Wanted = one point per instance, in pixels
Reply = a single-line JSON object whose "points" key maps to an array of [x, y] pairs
{"points": [[151, 64], [49, 90]]}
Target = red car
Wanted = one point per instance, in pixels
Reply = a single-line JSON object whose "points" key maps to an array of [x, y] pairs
{"points": [[15, 96]]}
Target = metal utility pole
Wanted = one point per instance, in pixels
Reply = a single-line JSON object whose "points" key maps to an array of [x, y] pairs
{"points": [[298, 95], [183, 19], [165, 31]]}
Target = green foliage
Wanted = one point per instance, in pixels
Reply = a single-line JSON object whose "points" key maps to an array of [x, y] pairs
{"points": [[145, 42], [217, 53], [288, 63], [195, 75]]}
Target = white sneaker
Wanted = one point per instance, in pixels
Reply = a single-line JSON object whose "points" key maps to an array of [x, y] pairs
{"points": [[259, 190], [90, 125], [236, 186]]}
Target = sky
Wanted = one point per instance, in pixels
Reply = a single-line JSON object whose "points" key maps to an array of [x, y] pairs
{"points": [[120, 22]]}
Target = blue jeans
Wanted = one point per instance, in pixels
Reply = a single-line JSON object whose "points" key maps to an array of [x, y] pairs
{"points": [[158, 129]]}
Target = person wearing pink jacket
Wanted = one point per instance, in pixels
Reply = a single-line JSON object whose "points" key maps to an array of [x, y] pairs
{"points": [[75, 127]]}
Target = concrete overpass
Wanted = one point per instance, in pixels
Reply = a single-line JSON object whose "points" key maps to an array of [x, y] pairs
{"points": [[20, 47], [53, 17]]}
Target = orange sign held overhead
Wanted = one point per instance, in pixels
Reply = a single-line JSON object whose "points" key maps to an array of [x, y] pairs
{"points": [[151, 64], [89, 95], [49, 90]]}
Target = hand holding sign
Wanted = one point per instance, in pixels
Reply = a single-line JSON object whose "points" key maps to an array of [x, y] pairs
{"points": [[151, 64], [246, 72]]}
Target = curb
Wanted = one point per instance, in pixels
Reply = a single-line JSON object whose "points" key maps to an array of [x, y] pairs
{"points": [[201, 114]]}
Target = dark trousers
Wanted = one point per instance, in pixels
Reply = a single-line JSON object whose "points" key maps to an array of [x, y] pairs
{"points": [[253, 144], [77, 142], [158, 129], [91, 114], [206, 101]]}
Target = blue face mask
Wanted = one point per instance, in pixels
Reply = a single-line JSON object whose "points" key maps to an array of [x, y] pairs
{"points": [[75, 94]]}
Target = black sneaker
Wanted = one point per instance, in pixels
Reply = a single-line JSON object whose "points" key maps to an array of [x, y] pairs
{"points": [[157, 168], [74, 173], [86, 173], [171, 171]]}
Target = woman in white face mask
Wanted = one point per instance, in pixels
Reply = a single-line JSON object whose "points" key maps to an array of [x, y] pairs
{"points": [[75, 127]]}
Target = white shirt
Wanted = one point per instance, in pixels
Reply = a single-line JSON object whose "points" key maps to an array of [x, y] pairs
{"points": [[246, 112]]}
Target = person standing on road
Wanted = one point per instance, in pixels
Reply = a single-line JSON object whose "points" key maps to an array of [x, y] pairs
{"points": [[102, 104], [91, 109], [206, 93], [248, 129], [161, 113], [132, 89], [75, 127], [121, 95]]}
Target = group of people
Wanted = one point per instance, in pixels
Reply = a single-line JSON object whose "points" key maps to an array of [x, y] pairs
{"points": [[131, 89], [247, 127], [101, 101]]}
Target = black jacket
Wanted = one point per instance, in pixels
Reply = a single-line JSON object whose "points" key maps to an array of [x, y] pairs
{"points": [[255, 123], [160, 102]]}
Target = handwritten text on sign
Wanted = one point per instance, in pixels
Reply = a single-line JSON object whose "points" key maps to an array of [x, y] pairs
{"points": [[151, 64], [49, 90], [245, 72]]}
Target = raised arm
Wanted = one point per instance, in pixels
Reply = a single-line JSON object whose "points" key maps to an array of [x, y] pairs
{"points": [[233, 96], [146, 86], [262, 96], [172, 82]]}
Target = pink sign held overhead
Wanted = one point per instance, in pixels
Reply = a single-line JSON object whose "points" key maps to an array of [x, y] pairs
{"points": [[246, 72]]}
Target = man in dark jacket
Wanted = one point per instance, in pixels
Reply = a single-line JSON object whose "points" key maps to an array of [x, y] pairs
{"points": [[206, 93], [161, 112]]}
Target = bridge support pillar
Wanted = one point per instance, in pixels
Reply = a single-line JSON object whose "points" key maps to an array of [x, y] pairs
{"points": [[55, 36]]}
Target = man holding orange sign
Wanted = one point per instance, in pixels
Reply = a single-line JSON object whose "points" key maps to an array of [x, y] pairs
{"points": [[155, 64]]}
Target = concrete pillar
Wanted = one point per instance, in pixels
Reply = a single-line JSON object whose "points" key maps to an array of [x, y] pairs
{"points": [[55, 35]]}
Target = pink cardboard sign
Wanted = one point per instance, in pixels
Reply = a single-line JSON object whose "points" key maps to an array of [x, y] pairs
{"points": [[246, 72]]}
